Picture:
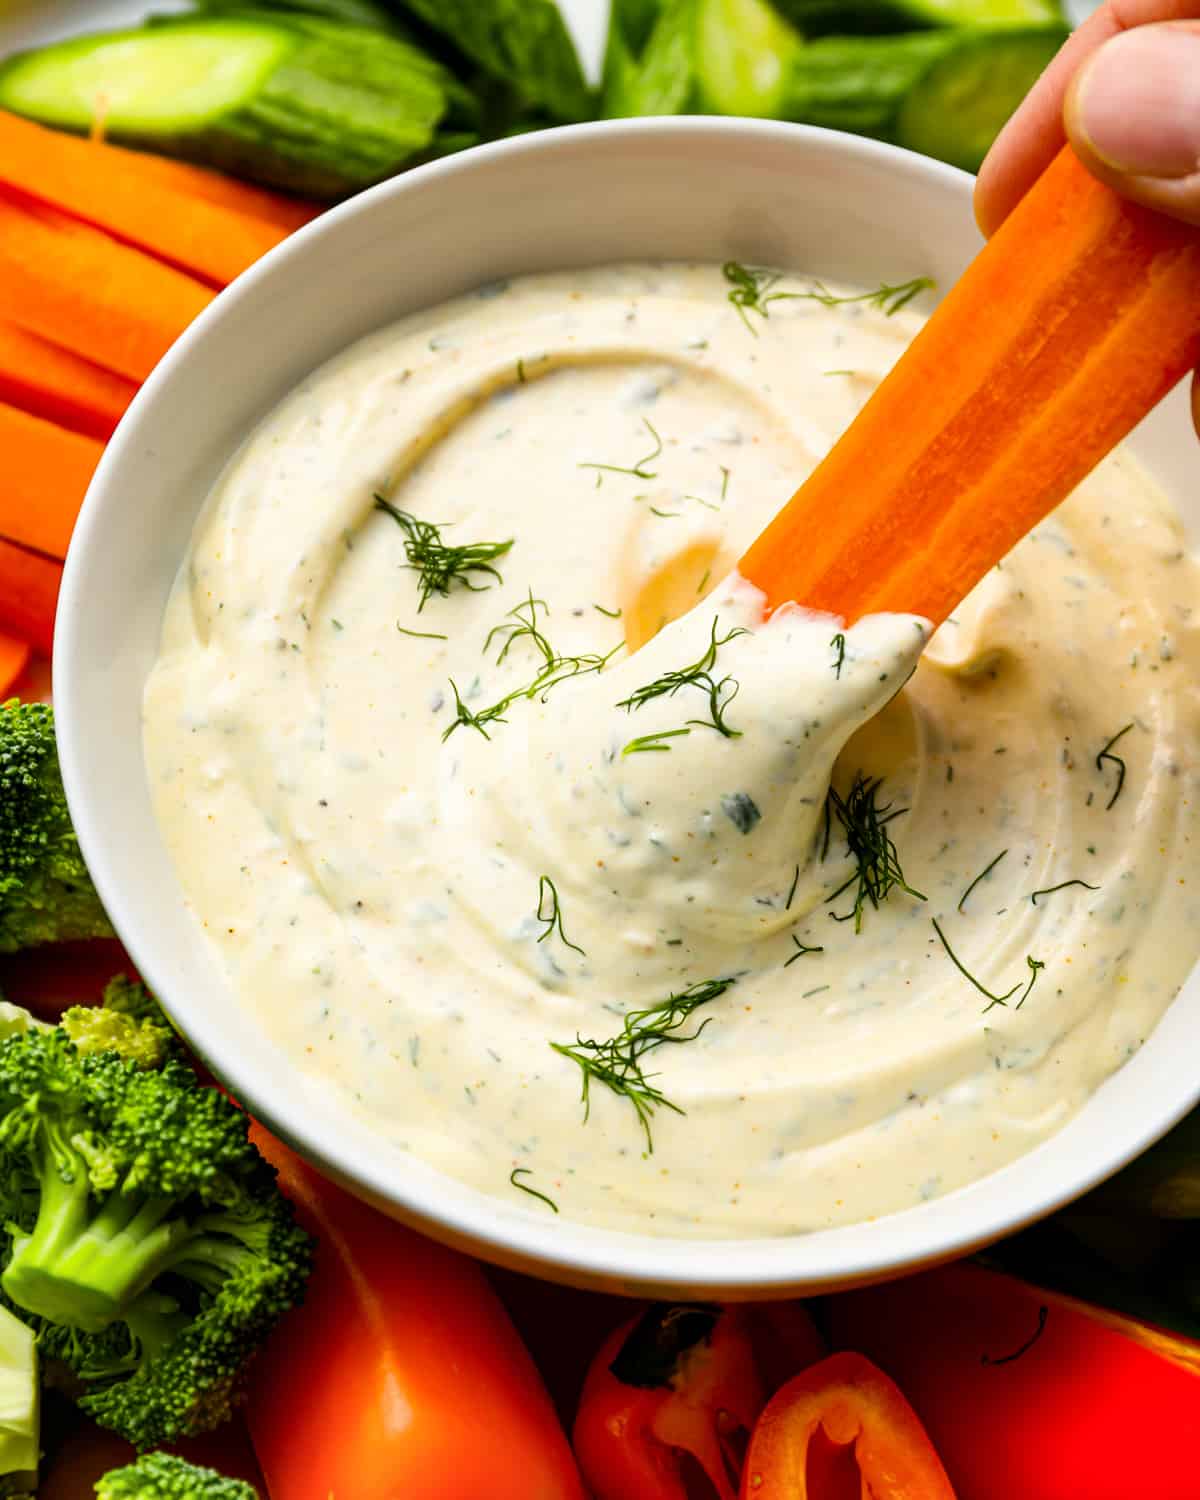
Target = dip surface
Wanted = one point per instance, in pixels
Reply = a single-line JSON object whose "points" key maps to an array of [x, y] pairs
{"points": [[416, 908]]}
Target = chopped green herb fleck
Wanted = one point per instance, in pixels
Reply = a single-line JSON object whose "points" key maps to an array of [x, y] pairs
{"points": [[650, 742], [1106, 754], [549, 912], [639, 469], [1035, 968], [613, 614], [801, 950], [1062, 886], [425, 635], [983, 875], [533, 1192], [741, 810], [838, 644]]}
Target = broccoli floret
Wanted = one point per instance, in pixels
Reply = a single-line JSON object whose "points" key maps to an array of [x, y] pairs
{"points": [[46, 893], [127, 1021], [20, 1407], [162, 1476], [146, 1237]]}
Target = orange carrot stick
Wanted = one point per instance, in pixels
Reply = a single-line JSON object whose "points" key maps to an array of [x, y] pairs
{"points": [[53, 383], [76, 176], [29, 585], [14, 658], [102, 300], [45, 476], [212, 187], [1076, 319]]}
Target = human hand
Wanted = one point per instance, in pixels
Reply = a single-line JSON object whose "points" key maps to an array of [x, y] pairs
{"points": [[1125, 91]]}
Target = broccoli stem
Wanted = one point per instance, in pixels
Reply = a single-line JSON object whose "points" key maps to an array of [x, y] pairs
{"points": [[84, 1264]]}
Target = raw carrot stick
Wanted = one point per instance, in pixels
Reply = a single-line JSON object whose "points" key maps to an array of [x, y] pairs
{"points": [[51, 382], [102, 300], [29, 585], [14, 658], [1078, 316], [75, 176], [212, 187], [45, 477]]}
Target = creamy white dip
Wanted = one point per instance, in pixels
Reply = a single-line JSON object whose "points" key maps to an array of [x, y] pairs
{"points": [[417, 912]]}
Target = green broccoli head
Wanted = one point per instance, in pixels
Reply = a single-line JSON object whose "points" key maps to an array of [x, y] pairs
{"points": [[147, 1242], [46, 893], [162, 1476], [127, 1021]]}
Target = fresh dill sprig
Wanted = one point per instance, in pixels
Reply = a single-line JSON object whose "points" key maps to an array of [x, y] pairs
{"points": [[616, 1062], [650, 742], [801, 950], [437, 565], [524, 626], [533, 1192], [1106, 754], [639, 469], [613, 614], [983, 875], [868, 844], [889, 299], [554, 669], [550, 912], [1035, 966], [1062, 886], [720, 691], [752, 289], [463, 714], [838, 644]]}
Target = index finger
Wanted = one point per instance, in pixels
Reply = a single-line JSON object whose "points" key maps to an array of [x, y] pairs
{"points": [[1033, 137]]}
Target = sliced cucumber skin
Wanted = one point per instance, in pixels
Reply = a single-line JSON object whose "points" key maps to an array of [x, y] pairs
{"points": [[342, 108], [860, 83], [524, 42], [744, 53], [957, 108], [662, 80], [864, 17]]}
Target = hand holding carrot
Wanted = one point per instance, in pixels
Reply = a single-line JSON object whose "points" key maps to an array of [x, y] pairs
{"points": [[1125, 91]]}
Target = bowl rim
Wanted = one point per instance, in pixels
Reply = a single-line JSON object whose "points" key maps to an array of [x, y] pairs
{"points": [[564, 1250]]}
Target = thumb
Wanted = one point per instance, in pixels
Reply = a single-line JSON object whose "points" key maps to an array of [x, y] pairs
{"points": [[1133, 115]]}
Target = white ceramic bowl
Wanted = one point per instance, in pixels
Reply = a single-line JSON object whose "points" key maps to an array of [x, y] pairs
{"points": [[661, 189]]}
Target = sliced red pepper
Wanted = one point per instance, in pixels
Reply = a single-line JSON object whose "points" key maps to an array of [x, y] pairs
{"points": [[672, 1393], [838, 1431], [1031, 1394]]}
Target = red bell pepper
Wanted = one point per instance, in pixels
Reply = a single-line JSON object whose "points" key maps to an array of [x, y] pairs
{"points": [[674, 1394], [400, 1377], [838, 1431], [1030, 1394]]}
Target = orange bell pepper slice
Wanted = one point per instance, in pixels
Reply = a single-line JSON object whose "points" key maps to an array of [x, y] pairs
{"points": [[838, 1431]]}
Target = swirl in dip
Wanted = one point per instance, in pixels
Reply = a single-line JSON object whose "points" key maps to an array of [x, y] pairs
{"points": [[416, 908]]}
